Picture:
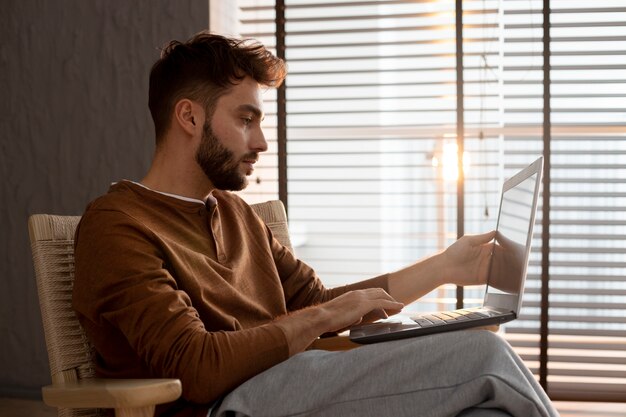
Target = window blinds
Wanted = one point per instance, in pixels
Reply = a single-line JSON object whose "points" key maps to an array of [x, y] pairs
{"points": [[587, 328], [371, 157], [257, 21]]}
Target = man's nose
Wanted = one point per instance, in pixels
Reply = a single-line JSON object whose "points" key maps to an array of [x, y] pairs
{"points": [[258, 143]]}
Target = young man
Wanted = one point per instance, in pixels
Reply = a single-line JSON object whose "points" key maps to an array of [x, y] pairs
{"points": [[177, 277]]}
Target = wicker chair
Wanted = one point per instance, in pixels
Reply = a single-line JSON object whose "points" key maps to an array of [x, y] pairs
{"points": [[74, 389]]}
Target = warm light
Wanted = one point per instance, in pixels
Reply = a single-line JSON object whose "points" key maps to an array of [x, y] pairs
{"points": [[449, 163]]}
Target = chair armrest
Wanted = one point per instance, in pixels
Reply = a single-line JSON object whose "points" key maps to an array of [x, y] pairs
{"points": [[111, 393]]}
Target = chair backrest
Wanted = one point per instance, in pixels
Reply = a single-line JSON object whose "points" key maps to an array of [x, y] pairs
{"points": [[70, 353], [273, 214], [69, 350]]}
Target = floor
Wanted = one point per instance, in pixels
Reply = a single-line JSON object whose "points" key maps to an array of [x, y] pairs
{"points": [[11, 407], [573, 409]]}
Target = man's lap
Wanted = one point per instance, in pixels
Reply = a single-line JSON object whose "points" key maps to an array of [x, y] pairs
{"points": [[438, 375]]}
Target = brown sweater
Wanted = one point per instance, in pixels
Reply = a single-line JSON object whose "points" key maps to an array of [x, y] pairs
{"points": [[169, 288]]}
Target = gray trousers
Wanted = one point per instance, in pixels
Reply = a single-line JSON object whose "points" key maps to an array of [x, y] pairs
{"points": [[471, 373]]}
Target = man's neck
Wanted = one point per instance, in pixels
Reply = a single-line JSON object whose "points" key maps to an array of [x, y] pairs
{"points": [[172, 176]]}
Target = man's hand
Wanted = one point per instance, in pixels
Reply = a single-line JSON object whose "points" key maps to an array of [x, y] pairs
{"points": [[357, 306], [508, 266], [304, 326], [467, 260]]}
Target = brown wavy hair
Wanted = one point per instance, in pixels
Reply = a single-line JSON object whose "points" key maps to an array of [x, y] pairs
{"points": [[203, 69]]}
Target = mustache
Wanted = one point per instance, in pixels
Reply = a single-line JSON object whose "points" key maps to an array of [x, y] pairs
{"points": [[251, 156]]}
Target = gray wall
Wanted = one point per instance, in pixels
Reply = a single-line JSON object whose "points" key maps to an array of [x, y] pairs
{"points": [[74, 117]]}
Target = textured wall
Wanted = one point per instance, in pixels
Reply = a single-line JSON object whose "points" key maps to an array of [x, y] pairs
{"points": [[73, 118]]}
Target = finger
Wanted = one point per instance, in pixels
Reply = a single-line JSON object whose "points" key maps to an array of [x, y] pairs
{"points": [[482, 238], [380, 309], [391, 305], [379, 313], [488, 236], [382, 304], [387, 297], [378, 294]]}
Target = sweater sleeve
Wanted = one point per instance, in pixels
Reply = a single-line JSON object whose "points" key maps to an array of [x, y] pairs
{"points": [[123, 286], [302, 286]]}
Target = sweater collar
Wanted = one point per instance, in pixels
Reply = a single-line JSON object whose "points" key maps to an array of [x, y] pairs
{"points": [[210, 201]]}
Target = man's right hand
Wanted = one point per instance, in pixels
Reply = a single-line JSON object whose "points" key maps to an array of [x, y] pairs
{"points": [[304, 326], [352, 307]]}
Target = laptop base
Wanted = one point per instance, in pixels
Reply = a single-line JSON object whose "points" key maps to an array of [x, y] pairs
{"points": [[385, 331]]}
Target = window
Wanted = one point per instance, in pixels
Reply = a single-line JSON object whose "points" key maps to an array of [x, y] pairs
{"points": [[371, 158]]}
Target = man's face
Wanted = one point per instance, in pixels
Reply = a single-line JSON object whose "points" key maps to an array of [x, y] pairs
{"points": [[220, 164], [232, 140]]}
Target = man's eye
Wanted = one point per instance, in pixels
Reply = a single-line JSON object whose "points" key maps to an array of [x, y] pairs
{"points": [[246, 120]]}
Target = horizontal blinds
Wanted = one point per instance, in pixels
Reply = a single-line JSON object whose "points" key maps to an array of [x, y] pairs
{"points": [[371, 102], [587, 207], [587, 324], [371, 202], [518, 109], [256, 20]]}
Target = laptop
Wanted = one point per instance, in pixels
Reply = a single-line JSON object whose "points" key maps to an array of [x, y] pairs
{"points": [[507, 271]]}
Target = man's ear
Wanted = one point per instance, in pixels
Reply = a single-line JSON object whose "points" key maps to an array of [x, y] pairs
{"points": [[187, 116]]}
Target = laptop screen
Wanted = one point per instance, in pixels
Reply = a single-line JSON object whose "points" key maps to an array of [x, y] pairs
{"points": [[513, 239]]}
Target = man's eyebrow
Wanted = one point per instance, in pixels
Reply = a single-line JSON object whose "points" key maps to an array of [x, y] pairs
{"points": [[252, 109]]}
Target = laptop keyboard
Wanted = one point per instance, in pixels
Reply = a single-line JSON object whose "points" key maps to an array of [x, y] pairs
{"points": [[441, 317]]}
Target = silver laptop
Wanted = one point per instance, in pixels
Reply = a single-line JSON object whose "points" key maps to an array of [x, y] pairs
{"points": [[507, 271]]}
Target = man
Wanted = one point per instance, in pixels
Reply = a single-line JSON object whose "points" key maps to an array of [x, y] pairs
{"points": [[177, 277]]}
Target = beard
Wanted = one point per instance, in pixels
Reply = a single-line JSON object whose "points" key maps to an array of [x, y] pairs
{"points": [[219, 164]]}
